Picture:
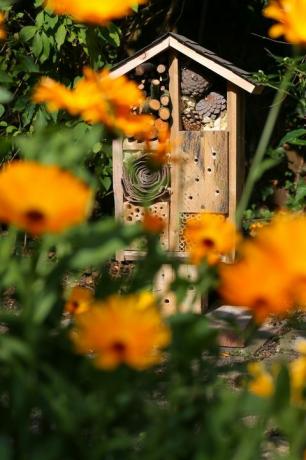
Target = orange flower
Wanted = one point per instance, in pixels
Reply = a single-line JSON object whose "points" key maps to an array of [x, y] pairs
{"points": [[2, 28], [122, 330], [291, 18], [153, 223], [79, 300], [98, 98], [285, 240], [256, 281], [160, 154], [95, 11], [42, 198], [209, 236], [262, 383]]}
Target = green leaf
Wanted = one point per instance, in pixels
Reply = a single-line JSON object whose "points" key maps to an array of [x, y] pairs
{"points": [[5, 96], [60, 36], [46, 47], [37, 46], [28, 32], [2, 110], [293, 137]]}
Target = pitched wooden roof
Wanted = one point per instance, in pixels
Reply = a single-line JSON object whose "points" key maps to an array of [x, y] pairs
{"points": [[193, 51]]}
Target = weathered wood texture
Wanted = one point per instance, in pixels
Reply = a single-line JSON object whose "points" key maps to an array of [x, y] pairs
{"points": [[163, 281], [174, 90], [205, 179]]}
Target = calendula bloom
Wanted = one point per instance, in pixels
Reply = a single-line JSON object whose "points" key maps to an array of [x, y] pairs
{"points": [[98, 98], [153, 223], [285, 240], [2, 28], [261, 383], [42, 198], [79, 300], [256, 281], [208, 236], [291, 20], [95, 11], [122, 330]]}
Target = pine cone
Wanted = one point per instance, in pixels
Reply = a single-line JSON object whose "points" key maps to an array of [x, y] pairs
{"points": [[211, 106], [193, 84]]}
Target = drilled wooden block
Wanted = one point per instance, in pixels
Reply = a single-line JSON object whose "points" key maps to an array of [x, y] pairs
{"points": [[204, 179], [162, 287], [133, 213]]}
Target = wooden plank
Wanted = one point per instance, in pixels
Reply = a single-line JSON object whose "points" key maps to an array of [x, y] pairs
{"points": [[205, 178], [146, 56], [176, 167], [117, 184], [117, 176], [192, 185], [214, 66], [215, 191]]}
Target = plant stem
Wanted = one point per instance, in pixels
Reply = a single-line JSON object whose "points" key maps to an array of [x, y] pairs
{"points": [[263, 144]]}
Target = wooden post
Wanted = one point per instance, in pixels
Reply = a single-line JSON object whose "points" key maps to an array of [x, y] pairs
{"points": [[174, 90], [235, 114], [117, 183]]}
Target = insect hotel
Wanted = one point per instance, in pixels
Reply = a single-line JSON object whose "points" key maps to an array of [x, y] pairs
{"points": [[200, 97]]}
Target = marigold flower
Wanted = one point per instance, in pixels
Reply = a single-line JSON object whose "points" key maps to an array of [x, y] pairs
{"points": [[153, 223], [3, 33], [42, 198], [79, 300], [208, 236], [122, 330], [291, 18], [256, 281], [94, 12], [98, 98], [262, 383]]}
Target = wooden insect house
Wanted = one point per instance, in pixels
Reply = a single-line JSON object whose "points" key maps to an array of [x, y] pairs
{"points": [[200, 97]]}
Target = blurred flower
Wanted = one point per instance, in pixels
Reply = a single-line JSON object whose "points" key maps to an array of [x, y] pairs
{"points": [[42, 198], [79, 300], [122, 330], [256, 281], [153, 223], [270, 277], [160, 154], [255, 227], [285, 240], [297, 371], [208, 236], [94, 11], [98, 98], [2, 27], [291, 20], [262, 383]]}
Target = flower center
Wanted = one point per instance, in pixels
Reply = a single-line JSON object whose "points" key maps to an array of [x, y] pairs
{"points": [[260, 302], [208, 243], [34, 216], [118, 347], [74, 305]]}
